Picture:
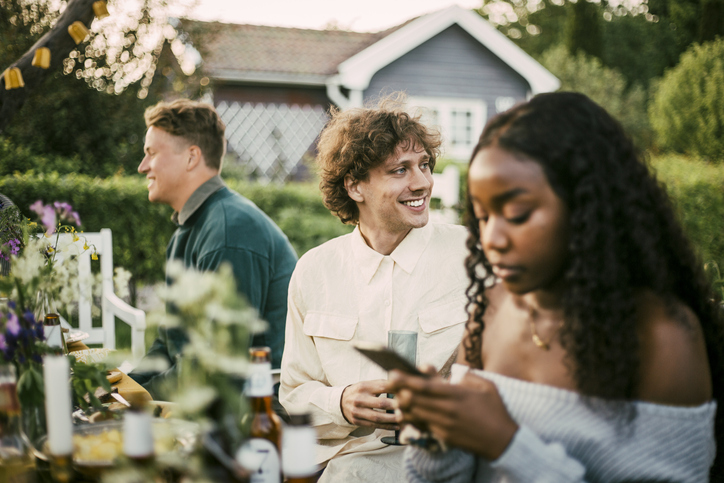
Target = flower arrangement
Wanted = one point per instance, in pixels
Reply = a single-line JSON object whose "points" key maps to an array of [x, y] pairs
{"points": [[212, 366], [43, 274]]}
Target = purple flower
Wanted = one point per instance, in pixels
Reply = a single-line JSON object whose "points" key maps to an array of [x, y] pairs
{"points": [[14, 245], [37, 207], [46, 214], [3, 343], [13, 324], [65, 212]]}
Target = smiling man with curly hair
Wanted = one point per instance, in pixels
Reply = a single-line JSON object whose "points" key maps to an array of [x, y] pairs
{"points": [[395, 271]]}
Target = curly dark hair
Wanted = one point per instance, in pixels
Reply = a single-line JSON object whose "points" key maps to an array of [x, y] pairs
{"points": [[624, 237], [357, 140], [196, 122]]}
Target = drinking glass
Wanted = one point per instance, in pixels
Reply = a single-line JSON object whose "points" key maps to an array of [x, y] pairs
{"points": [[404, 342]]}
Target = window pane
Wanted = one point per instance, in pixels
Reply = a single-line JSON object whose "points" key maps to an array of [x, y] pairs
{"points": [[461, 129]]}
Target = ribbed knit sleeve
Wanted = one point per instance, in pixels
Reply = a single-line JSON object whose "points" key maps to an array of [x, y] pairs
{"points": [[453, 466], [528, 458], [561, 439]]}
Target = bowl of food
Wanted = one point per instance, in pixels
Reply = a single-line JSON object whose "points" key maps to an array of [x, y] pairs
{"points": [[97, 446]]}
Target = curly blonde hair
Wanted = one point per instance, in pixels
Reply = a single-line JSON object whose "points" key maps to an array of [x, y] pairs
{"points": [[357, 140]]}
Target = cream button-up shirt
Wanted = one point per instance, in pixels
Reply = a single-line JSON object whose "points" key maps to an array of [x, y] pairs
{"points": [[343, 291]]}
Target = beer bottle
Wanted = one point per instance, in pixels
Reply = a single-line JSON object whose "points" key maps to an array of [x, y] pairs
{"points": [[298, 450], [17, 464], [54, 334], [259, 454], [138, 436]]}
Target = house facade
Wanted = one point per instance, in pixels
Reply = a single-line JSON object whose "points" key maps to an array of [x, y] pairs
{"points": [[273, 86]]}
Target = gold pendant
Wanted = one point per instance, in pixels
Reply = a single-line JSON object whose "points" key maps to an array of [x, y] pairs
{"points": [[539, 342]]}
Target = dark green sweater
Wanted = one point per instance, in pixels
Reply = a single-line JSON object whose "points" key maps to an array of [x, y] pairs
{"points": [[229, 228]]}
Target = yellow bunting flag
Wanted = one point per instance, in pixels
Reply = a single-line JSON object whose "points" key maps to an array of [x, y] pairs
{"points": [[13, 78], [78, 31], [42, 58], [100, 9]]}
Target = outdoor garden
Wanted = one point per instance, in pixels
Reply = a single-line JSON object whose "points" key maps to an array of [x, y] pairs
{"points": [[74, 133]]}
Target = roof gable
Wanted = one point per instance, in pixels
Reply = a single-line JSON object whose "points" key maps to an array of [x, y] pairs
{"points": [[344, 59], [357, 71]]}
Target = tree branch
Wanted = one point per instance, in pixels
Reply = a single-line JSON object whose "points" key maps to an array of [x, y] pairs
{"points": [[60, 43]]}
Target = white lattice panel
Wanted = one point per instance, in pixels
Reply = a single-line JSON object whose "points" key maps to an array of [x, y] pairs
{"points": [[271, 139]]}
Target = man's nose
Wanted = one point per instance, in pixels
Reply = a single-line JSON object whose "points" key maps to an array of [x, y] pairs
{"points": [[421, 180], [143, 167]]}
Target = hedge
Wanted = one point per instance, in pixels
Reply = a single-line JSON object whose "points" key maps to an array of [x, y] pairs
{"points": [[142, 229], [697, 191], [687, 108]]}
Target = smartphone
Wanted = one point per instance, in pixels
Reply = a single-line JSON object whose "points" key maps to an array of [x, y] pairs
{"points": [[387, 358]]}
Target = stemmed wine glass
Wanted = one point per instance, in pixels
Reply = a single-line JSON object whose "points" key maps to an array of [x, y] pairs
{"points": [[404, 342]]}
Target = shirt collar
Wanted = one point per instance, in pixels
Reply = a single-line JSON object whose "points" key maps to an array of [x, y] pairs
{"points": [[406, 255], [197, 199]]}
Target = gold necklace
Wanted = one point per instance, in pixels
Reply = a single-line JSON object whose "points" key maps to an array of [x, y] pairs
{"points": [[540, 342]]}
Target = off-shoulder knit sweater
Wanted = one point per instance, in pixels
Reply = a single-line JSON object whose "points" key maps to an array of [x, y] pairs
{"points": [[560, 440]]}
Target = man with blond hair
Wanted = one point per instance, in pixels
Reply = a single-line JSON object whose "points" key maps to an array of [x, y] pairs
{"points": [[395, 271], [183, 154]]}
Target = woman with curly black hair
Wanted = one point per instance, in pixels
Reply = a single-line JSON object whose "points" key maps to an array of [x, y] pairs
{"points": [[594, 352]]}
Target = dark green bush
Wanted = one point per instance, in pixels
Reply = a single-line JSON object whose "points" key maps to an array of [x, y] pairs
{"points": [[697, 191], [687, 110], [142, 229], [606, 86]]}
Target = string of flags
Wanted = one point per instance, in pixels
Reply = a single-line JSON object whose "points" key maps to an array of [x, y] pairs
{"points": [[41, 59]]}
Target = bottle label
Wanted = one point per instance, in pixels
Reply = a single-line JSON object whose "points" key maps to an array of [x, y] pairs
{"points": [[260, 457], [137, 434], [259, 382], [299, 445], [53, 336]]}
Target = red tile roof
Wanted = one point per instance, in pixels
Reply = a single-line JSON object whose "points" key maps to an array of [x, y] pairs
{"points": [[236, 50]]}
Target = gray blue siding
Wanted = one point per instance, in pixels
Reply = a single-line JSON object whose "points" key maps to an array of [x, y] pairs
{"points": [[451, 64]]}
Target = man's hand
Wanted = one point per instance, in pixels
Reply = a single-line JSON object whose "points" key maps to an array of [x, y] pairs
{"points": [[360, 400]]}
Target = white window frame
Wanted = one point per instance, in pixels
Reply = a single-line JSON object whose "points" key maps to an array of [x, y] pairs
{"points": [[445, 107]]}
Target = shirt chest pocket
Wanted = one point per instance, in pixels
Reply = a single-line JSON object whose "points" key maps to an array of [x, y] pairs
{"points": [[442, 328], [332, 336]]}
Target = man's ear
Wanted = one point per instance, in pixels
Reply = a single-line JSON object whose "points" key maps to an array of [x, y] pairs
{"points": [[195, 157], [352, 187]]}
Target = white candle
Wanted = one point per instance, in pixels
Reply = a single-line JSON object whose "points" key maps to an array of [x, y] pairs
{"points": [[58, 406]]}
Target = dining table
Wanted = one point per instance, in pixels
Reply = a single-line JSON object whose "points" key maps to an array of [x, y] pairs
{"points": [[126, 387]]}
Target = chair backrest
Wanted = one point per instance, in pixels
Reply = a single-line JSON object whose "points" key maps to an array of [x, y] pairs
{"points": [[102, 243], [446, 186]]}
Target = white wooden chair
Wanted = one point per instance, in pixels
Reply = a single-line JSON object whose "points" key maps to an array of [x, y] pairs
{"points": [[446, 188], [112, 306]]}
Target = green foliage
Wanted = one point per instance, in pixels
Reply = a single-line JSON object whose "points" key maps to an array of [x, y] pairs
{"points": [[639, 39], [697, 191], [85, 380], [141, 230], [712, 20], [687, 111], [583, 32], [605, 86], [91, 109], [103, 132], [638, 48]]}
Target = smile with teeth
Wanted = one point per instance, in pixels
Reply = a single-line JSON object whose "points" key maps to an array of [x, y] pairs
{"points": [[414, 203]]}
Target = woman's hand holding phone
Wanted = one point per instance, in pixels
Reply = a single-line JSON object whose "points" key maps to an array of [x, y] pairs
{"points": [[470, 415]]}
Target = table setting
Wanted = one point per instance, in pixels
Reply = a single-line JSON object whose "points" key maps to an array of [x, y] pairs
{"points": [[71, 411]]}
